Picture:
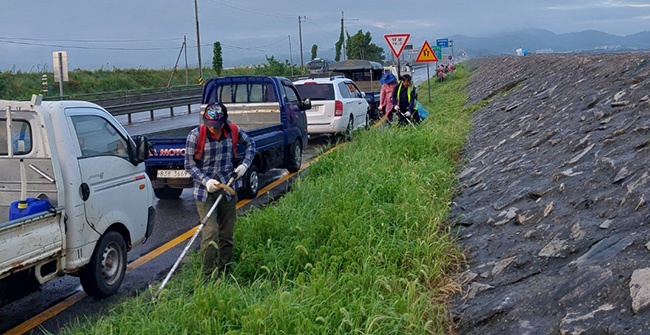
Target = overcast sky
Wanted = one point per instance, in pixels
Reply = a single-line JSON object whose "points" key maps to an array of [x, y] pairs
{"points": [[132, 33]]}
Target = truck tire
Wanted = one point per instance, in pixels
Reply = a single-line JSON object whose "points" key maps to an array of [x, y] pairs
{"points": [[250, 183], [104, 274], [167, 193], [295, 156]]}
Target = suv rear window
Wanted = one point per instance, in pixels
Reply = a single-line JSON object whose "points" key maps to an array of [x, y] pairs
{"points": [[315, 91]]}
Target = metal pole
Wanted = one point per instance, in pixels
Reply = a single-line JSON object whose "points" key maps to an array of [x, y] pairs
{"points": [[290, 56], [180, 52], [198, 39], [428, 82], [61, 75], [343, 27], [399, 70], [302, 64], [451, 44], [187, 75]]}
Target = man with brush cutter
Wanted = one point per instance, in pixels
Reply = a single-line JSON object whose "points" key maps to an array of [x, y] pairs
{"points": [[210, 158], [404, 98]]}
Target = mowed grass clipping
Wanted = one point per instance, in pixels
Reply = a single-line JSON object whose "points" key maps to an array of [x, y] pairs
{"points": [[360, 245]]}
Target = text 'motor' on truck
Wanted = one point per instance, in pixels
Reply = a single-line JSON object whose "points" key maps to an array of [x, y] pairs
{"points": [[74, 196], [271, 112]]}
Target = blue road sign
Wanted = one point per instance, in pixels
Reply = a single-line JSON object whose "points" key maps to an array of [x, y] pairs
{"points": [[442, 42]]}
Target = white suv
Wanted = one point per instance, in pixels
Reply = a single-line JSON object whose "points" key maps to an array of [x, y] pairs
{"points": [[337, 105]]}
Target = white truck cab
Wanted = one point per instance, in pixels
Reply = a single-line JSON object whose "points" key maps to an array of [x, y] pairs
{"points": [[74, 195]]}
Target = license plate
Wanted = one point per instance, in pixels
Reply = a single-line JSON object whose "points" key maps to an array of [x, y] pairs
{"points": [[173, 174]]}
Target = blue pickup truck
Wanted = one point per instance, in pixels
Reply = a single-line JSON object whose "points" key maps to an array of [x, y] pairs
{"points": [[271, 112]]}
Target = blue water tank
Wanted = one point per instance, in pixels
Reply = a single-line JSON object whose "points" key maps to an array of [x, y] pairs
{"points": [[29, 207]]}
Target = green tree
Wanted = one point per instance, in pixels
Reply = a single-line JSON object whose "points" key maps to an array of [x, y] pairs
{"points": [[360, 46], [339, 44], [217, 58], [314, 51], [276, 68]]}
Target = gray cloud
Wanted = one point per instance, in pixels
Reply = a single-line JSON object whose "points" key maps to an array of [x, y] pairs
{"points": [[132, 33]]}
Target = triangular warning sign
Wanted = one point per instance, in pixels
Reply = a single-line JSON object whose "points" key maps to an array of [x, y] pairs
{"points": [[426, 54], [397, 42]]}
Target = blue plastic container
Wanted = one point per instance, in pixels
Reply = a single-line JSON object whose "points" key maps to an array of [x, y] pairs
{"points": [[33, 206]]}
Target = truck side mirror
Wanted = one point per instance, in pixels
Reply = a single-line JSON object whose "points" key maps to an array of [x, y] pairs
{"points": [[142, 148], [306, 104]]}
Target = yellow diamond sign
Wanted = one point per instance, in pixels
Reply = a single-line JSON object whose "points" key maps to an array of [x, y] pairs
{"points": [[426, 54]]}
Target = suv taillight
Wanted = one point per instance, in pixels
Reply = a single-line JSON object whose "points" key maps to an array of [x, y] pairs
{"points": [[338, 108]]}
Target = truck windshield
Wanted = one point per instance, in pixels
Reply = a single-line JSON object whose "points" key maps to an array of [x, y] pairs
{"points": [[239, 90], [316, 91], [317, 66]]}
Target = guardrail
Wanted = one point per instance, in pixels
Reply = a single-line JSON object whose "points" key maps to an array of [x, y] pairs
{"points": [[143, 106], [138, 101]]}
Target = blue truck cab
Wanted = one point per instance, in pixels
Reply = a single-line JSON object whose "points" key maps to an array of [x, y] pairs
{"points": [[269, 109]]}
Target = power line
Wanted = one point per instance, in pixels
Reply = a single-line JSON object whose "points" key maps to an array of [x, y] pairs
{"points": [[320, 28], [252, 11], [90, 40], [85, 47], [258, 48]]}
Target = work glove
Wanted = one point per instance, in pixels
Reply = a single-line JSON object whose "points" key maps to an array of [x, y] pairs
{"points": [[239, 171], [407, 114], [214, 185], [397, 108]]}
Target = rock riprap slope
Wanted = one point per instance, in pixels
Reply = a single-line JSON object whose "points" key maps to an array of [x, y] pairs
{"points": [[552, 204]]}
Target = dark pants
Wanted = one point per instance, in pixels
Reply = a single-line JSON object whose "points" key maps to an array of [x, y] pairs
{"points": [[217, 233]]}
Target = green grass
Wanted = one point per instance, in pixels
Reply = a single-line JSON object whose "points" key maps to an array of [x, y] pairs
{"points": [[361, 245]]}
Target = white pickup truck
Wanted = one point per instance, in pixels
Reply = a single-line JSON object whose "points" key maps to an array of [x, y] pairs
{"points": [[74, 196]]}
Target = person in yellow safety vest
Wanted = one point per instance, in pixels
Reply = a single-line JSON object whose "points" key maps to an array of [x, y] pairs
{"points": [[404, 98]]}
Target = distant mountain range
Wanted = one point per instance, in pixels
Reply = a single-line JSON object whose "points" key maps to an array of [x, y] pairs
{"points": [[544, 41], [532, 40]]}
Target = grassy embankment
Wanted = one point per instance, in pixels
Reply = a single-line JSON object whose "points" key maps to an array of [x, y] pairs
{"points": [[359, 245]]}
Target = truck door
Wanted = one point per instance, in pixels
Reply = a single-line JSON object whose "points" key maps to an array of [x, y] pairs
{"points": [[113, 189], [296, 116]]}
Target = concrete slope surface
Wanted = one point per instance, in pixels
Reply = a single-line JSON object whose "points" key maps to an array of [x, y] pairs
{"points": [[552, 204]]}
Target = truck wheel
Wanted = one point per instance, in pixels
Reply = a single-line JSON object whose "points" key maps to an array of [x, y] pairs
{"points": [[167, 193], [295, 160], [104, 274], [251, 183]]}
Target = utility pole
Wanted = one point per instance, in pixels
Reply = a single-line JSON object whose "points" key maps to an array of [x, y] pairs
{"points": [[186, 69], [290, 56], [345, 31], [302, 63], [198, 40], [343, 24]]}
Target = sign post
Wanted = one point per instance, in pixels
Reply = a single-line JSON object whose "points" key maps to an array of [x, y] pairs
{"points": [[397, 42], [60, 62], [427, 55]]}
